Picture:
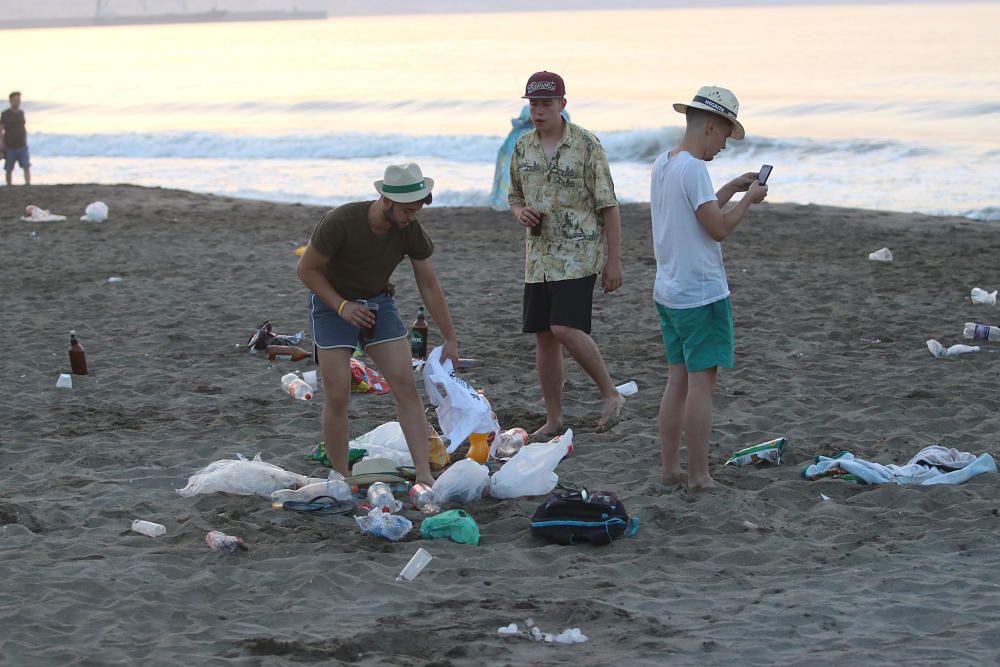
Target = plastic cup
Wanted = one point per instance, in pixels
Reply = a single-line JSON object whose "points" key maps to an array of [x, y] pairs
{"points": [[311, 380], [628, 389], [65, 381], [415, 566]]}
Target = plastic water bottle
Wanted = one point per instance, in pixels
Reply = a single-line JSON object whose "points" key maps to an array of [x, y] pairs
{"points": [[296, 387], [221, 542], [511, 441], [981, 332], [422, 498], [334, 488], [380, 496], [149, 528]]}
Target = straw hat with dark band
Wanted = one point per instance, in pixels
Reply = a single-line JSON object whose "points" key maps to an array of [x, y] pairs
{"points": [[719, 101]]}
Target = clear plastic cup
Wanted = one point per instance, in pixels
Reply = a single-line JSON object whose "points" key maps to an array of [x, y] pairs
{"points": [[65, 381], [415, 566], [311, 379]]}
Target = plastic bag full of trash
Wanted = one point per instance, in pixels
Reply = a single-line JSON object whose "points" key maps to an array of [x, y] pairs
{"points": [[96, 211], [242, 477]]}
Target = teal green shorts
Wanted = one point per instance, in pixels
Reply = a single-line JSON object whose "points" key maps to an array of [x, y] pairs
{"points": [[700, 338]]}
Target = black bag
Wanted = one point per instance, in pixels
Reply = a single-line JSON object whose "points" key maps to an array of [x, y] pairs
{"points": [[577, 516]]}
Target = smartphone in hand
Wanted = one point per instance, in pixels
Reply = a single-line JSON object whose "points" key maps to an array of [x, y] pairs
{"points": [[764, 172]]}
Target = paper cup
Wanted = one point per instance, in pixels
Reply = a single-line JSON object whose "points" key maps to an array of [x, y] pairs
{"points": [[65, 381], [311, 379], [415, 566]]}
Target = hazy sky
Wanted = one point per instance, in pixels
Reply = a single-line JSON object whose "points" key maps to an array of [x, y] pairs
{"points": [[13, 10]]}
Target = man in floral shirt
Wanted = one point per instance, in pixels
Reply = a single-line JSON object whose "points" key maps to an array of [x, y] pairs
{"points": [[561, 191]]}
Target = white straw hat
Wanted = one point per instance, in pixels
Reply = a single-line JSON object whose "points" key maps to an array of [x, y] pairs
{"points": [[404, 183], [719, 101]]}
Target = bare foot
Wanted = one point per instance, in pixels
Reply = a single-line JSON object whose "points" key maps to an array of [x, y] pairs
{"points": [[611, 414], [547, 431], [704, 485], [673, 478]]}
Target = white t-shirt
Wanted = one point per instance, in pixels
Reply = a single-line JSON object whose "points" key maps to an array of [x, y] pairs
{"points": [[689, 270]]}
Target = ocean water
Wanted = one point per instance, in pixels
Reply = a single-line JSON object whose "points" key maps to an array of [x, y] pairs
{"points": [[880, 106]]}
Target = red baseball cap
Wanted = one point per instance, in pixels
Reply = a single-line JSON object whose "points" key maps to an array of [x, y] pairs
{"points": [[544, 86]]}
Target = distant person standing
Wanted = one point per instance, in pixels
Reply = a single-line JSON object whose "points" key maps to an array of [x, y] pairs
{"points": [[14, 139], [691, 292], [561, 191]]}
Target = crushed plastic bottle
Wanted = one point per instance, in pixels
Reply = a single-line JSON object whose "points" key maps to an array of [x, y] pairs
{"points": [[511, 441], [296, 387], [219, 541], [380, 497], [422, 498], [981, 332], [383, 524], [148, 528], [334, 488]]}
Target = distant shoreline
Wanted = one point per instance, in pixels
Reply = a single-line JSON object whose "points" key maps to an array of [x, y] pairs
{"points": [[215, 16]]}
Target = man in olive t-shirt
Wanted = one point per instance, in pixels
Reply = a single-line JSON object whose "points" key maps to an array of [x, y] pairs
{"points": [[347, 265], [14, 139]]}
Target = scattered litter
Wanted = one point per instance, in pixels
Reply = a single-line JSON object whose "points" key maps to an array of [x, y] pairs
{"points": [[148, 528], [975, 331], [881, 255], [628, 389], [984, 297], [242, 477], [95, 212], [939, 351], [311, 379], [264, 336], [749, 525], [219, 541], [115, 279], [531, 471], [766, 452], [824, 497], [392, 527], [416, 565], [568, 636], [36, 214], [65, 381]]}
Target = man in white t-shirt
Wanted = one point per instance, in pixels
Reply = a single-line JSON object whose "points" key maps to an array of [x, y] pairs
{"points": [[691, 291]]}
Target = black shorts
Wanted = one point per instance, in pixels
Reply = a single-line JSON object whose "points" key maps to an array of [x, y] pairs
{"points": [[567, 303]]}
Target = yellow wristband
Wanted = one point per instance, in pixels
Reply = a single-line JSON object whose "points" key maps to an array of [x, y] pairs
{"points": [[340, 311]]}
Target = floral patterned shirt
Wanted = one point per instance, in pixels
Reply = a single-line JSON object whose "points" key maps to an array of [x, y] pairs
{"points": [[570, 190]]}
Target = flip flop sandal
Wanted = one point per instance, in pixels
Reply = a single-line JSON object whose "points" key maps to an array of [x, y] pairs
{"points": [[320, 506]]}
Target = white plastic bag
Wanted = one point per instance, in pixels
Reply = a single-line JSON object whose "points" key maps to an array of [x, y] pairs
{"points": [[463, 482], [95, 212], [242, 477], [386, 441], [982, 296], [881, 255], [530, 472], [461, 410]]}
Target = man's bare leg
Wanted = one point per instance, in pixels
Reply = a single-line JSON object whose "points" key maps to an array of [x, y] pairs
{"points": [[585, 352], [548, 361], [671, 422], [396, 365], [698, 427], [27, 176], [335, 369], [9, 174]]}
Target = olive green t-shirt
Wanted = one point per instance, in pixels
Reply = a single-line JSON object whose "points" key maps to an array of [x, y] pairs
{"points": [[361, 262]]}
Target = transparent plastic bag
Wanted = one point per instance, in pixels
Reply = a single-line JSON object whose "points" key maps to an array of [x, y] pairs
{"points": [[463, 482], [531, 471], [242, 477], [383, 524], [461, 410]]}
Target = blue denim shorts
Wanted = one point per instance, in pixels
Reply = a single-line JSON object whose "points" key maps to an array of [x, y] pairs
{"points": [[330, 330], [16, 155]]}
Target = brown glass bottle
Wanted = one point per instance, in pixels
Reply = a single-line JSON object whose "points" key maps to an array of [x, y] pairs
{"points": [[418, 336], [77, 358]]}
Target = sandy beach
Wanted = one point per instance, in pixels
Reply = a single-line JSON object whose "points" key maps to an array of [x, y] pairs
{"points": [[830, 353]]}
